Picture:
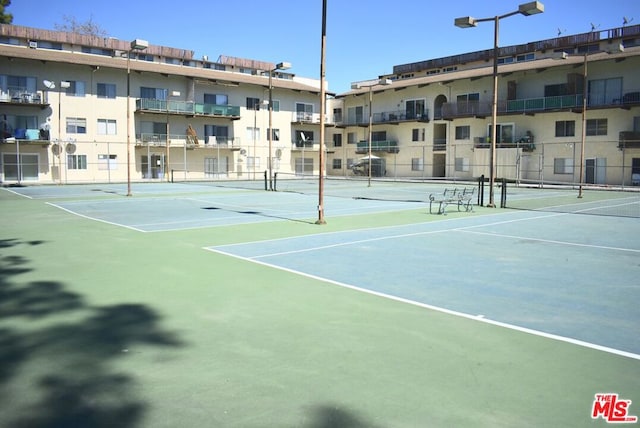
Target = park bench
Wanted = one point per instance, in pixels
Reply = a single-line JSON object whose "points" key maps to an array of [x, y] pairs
{"points": [[462, 198]]}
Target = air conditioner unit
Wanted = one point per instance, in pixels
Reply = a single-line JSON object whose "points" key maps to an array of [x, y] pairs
{"points": [[33, 44]]}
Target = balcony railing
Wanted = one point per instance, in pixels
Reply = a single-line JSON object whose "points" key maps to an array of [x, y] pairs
{"points": [[305, 145], [534, 105], [392, 117], [187, 108], [387, 146], [23, 96], [180, 140], [525, 142]]}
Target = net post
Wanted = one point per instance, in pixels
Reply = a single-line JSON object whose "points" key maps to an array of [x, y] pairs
{"points": [[275, 181], [503, 194], [265, 181], [481, 191], [172, 176]]}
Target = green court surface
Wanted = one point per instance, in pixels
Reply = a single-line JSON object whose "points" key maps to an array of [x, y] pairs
{"points": [[203, 306]]}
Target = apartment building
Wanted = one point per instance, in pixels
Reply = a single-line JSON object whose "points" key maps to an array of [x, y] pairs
{"points": [[433, 118], [75, 108]]}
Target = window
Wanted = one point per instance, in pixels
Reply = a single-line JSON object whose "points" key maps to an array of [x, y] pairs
{"points": [[107, 127], [565, 128], [415, 109], [417, 164], [253, 134], [337, 115], [77, 161], [76, 125], [596, 126], [462, 164], [504, 131], [351, 138], [337, 164], [304, 166], [379, 136], [563, 166], [107, 162], [463, 132], [253, 162], [75, 89], [217, 99], [220, 134], [17, 84], [417, 134], [304, 112], [106, 90], [153, 93], [304, 138], [276, 105], [275, 135], [253, 103], [337, 140], [605, 91], [355, 114], [468, 103]]}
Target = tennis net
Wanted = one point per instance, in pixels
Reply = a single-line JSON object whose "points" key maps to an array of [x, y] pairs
{"points": [[605, 202], [385, 189]]}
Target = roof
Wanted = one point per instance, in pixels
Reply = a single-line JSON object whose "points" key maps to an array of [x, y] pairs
{"points": [[209, 75], [487, 70]]}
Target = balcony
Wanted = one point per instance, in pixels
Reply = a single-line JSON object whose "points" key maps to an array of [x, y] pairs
{"points": [[387, 146], [629, 139], [537, 105], [524, 142], [301, 146], [181, 140], [21, 97], [187, 108], [387, 117]]}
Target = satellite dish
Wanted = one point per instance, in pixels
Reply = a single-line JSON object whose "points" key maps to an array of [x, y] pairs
{"points": [[243, 152], [55, 149], [278, 153], [49, 84], [71, 148]]}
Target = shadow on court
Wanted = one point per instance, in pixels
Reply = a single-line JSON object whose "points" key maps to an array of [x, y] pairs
{"points": [[56, 371], [332, 416]]}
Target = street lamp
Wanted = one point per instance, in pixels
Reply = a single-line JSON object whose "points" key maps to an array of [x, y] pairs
{"points": [[279, 66], [136, 45], [63, 85], [526, 9], [384, 82]]}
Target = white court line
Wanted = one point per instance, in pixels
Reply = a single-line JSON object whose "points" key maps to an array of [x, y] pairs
{"points": [[479, 318], [94, 218], [550, 241], [18, 193]]}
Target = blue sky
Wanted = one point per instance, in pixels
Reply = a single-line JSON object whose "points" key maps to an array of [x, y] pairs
{"points": [[365, 38]]}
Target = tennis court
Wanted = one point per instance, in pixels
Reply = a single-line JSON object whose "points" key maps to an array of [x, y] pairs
{"points": [[239, 311]]}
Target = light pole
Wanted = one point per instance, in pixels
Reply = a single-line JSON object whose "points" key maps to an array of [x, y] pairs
{"points": [[168, 142], [525, 9], [585, 94], [370, 86], [51, 85], [321, 160], [136, 45], [279, 66]]}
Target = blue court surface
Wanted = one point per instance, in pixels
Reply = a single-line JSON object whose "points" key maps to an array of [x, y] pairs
{"points": [[570, 277]]}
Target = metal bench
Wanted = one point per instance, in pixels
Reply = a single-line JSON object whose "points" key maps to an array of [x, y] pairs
{"points": [[461, 198]]}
